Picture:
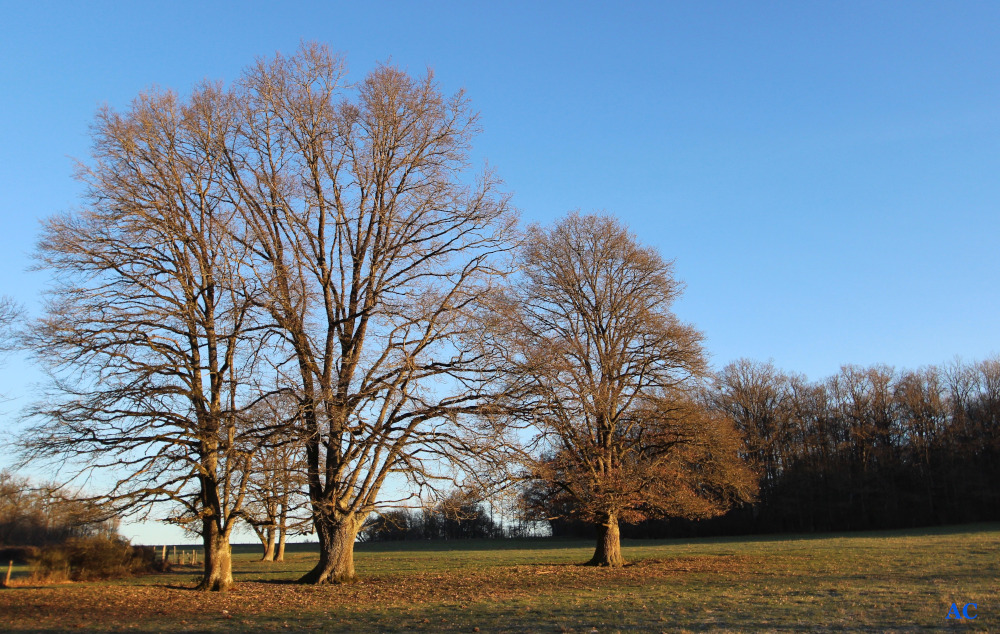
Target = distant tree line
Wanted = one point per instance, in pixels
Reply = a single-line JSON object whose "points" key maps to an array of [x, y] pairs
{"points": [[467, 521], [867, 448], [63, 535], [41, 515]]}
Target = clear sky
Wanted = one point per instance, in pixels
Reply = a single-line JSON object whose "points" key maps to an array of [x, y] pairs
{"points": [[825, 174]]}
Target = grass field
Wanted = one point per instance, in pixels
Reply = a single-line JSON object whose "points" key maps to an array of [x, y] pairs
{"points": [[891, 581]]}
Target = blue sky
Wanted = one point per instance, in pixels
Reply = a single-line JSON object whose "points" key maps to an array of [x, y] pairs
{"points": [[825, 174]]}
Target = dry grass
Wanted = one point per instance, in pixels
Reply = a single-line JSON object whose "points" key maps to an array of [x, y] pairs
{"points": [[888, 581]]}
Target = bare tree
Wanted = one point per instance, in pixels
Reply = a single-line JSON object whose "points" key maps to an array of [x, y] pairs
{"points": [[10, 316], [341, 236], [755, 396], [276, 482], [372, 243], [589, 337], [145, 333]]}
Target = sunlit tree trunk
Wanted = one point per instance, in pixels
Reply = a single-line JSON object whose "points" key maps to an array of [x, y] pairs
{"points": [[218, 558], [609, 546], [282, 534], [336, 547], [267, 540]]}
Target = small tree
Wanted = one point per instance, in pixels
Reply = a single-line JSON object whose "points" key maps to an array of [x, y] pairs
{"points": [[458, 515], [276, 495], [588, 339], [391, 525]]}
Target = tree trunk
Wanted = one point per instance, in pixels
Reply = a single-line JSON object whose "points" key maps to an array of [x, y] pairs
{"points": [[269, 545], [266, 537], [609, 546], [336, 550], [218, 559], [280, 555], [282, 534]]}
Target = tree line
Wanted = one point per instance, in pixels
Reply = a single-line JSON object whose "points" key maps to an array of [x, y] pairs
{"points": [[43, 515], [64, 535], [454, 516], [867, 448]]}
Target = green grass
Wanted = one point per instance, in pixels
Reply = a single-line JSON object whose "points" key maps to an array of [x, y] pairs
{"points": [[886, 581]]}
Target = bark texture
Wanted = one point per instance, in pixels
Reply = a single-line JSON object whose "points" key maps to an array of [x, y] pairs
{"points": [[609, 545], [336, 551], [266, 537], [218, 559], [280, 555]]}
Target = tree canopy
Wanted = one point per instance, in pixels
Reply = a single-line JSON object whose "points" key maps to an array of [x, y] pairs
{"points": [[611, 377]]}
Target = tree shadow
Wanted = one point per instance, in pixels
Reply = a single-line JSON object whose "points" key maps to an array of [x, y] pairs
{"points": [[280, 582]]}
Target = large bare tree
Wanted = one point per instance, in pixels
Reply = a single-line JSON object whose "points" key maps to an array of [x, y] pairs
{"points": [[373, 242], [335, 230], [146, 330], [611, 376]]}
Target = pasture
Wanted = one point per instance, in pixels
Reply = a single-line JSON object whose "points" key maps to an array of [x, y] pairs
{"points": [[885, 581]]}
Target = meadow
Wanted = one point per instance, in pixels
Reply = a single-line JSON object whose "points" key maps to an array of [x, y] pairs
{"points": [[883, 581]]}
